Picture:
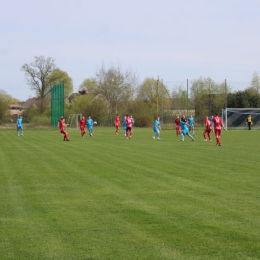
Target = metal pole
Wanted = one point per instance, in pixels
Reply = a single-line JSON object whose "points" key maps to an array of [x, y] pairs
{"points": [[157, 96], [187, 97], [162, 98], [226, 91]]}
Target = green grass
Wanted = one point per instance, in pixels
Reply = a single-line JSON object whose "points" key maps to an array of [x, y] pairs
{"points": [[110, 198]]}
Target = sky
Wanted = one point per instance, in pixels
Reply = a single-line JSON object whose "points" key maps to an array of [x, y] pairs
{"points": [[175, 40]]}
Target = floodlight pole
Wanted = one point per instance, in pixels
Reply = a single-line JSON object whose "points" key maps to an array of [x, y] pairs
{"points": [[157, 95], [162, 99], [187, 97]]}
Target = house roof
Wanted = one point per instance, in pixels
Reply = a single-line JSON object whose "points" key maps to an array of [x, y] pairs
{"points": [[30, 102]]}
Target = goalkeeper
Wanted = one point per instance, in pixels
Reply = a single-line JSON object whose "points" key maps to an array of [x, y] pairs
{"points": [[249, 122]]}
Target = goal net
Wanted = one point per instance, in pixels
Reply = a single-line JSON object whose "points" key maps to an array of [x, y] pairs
{"points": [[236, 118], [73, 120]]}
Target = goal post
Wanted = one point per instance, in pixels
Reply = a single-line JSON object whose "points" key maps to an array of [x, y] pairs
{"points": [[236, 118], [73, 120]]}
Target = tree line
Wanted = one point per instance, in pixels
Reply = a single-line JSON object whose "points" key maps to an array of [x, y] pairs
{"points": [[115, 90]]}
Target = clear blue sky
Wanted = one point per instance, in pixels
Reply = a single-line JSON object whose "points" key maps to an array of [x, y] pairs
{"points": [[175, 39]]}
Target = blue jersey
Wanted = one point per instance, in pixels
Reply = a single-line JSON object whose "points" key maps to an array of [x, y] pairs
{"points": [[19, 123], [89, 123], [184, 128], [212, 123], [124, 123], [156, 125], [191, 121]]}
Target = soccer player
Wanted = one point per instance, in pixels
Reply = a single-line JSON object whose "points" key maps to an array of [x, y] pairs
{"points": [[249, 122], [133, 121], [117, 123], [157, 128], [128, 127], [212, 123], [82, 126], [124, 125], [62, 128], [185, 131], [89, 123], [191, 124], [218, 124], [183, 119], [19, 125], [177, 126], [208, 129]]}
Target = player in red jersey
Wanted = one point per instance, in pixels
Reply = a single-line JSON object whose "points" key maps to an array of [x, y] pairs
{"points": [[218, 124], [177, 126], [128, 126], [208, 129], [82, 126], [62, 125], [117, 123]]}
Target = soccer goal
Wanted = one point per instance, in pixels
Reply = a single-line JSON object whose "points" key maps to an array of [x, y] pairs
{"points": [[236, 118], [73, 120]]}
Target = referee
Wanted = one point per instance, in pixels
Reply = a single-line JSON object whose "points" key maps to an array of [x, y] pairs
{"points": [[249, 122]]}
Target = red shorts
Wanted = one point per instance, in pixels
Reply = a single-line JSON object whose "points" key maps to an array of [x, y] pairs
{"points": [[207, 130], [117, 126], [217, 132], [62, 130], [178, 128], [82, 128], [129, 129]]}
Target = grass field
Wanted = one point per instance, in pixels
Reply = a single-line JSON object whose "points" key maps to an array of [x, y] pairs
{"points": [[110, 198]]}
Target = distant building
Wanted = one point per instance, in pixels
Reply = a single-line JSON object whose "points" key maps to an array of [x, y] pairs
{"points": [[14, 111]]}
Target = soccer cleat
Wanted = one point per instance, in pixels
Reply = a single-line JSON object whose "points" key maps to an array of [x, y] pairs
{"points": [[153, 137], [158, 137], [205, 140], [210, 140], [67, 140]]}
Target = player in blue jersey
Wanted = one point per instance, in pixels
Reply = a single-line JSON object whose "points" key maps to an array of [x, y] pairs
{"points": [[212, 123], [185, 131], [19, 125], [157, 128], [191, 124], [124, 125], [89, 123]]}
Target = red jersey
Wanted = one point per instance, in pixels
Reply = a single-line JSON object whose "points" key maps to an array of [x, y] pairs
{"points": [[128, 122], [207, 124], [82, 123], [117, 121], [61, 125], [177, 122], [217, 122]]}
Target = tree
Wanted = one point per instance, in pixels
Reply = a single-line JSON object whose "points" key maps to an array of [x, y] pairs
{"points": [[155, 92], [90, 85], [115, 85], [209, 97], [148, 90], [244, 99], [59, 76], [42, 75], [255, 82], [179, 98], [5, 101]]}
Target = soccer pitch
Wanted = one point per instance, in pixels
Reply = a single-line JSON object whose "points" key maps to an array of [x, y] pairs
{"points": [[110, 198]]}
